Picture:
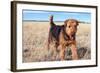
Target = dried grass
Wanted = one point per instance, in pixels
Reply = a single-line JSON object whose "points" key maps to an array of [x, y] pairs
{"points": [[34, 44]]}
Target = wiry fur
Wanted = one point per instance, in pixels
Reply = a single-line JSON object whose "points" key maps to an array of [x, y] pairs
{"points": [[63, 36]]}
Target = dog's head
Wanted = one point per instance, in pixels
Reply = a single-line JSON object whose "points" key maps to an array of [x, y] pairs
{"points": [[71, 26]]}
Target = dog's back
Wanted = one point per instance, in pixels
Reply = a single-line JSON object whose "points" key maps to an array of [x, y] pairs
{"points": [[55, 29]]}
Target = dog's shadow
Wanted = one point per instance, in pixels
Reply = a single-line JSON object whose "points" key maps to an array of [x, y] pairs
{"points": [[68, 56], [80, 51]]}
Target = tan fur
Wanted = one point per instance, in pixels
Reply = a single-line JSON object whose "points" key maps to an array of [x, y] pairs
{"points": [[72, 43], [66, 37]]}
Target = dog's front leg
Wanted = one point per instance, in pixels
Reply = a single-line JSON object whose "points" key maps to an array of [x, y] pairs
{"points": [[62, 52], [74, 52]]}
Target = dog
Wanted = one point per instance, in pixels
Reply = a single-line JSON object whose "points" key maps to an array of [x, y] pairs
{"points": [[64, 36]]}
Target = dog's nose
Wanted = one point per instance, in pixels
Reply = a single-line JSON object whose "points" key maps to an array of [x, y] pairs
{"points": [[73, 31]]}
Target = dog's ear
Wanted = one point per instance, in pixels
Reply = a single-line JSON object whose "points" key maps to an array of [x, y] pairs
{"points": [[65, 23], [77, 22]]}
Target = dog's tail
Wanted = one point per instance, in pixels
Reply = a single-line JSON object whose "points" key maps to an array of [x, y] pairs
{"points": [[51, 21]]}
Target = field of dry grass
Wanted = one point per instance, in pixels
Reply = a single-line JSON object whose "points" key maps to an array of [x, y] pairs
{"points": [[35, 36]]}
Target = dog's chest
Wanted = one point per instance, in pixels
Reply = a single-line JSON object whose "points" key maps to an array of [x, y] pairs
{"points": [[69, 40]]}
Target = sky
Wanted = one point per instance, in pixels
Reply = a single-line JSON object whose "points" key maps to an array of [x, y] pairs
{"points": [[58, 15]]}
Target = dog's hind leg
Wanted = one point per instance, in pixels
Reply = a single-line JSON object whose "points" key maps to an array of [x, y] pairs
{"points": [[49, 41], [74, 52], [62, 52]]}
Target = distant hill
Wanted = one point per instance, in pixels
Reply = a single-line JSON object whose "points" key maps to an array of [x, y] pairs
{"points": [[54, 21], [40, 21]]}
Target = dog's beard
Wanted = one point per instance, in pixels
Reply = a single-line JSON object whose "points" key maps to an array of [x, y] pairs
{"points": [[72, 36]]}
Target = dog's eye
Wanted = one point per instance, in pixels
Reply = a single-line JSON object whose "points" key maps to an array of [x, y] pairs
{"points": [[69, 26]]}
